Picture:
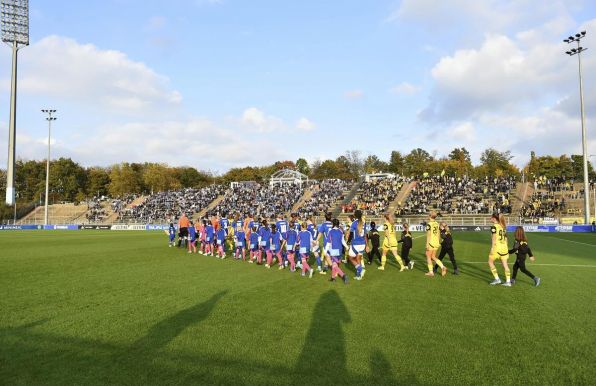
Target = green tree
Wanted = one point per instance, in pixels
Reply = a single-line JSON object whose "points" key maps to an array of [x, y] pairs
{"points": [[190, 177], [396, 162], [302, 166], [418, 162], [124, 179], [98, 180], [159, 178], [372, 164], [460, 155], [497, 163], [67, 178]]}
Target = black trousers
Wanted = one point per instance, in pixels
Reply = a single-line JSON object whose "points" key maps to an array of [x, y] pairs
{"points": [[405, 255], [520, 263], [448, 251], [374, 252]]}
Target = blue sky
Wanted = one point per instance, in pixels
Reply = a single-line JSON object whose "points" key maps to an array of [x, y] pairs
{"points": [[217, 84]]}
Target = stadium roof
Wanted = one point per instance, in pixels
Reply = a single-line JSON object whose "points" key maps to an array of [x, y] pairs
{"points": [[287, 176]]}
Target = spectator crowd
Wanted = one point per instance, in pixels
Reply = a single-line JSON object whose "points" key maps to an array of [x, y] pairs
{"points": [[375, 196], [459, 195], [326, 194], [165, 206]]}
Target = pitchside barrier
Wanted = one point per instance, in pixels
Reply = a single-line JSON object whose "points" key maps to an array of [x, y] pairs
{"points": [[413, 228]]}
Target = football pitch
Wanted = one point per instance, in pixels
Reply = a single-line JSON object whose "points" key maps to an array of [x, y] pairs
{"points": [[101, 307]]}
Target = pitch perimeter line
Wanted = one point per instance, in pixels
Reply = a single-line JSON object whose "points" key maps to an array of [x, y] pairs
{"points": [[537, 264], [572, 241]]}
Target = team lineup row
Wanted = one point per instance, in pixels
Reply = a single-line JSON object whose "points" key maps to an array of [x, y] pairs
{"points": [[292, 243]]}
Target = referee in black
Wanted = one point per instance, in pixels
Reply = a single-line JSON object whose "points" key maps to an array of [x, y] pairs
{"points": [[375, 241], [406, 245], [447, 247]]}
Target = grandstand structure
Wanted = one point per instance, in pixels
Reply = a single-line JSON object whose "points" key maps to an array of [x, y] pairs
{"points": [[288, 177], [461, 201]]}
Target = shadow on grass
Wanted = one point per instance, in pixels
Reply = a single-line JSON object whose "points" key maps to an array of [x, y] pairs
{"points": [[168, 329], [325, 338], [323, 359]]}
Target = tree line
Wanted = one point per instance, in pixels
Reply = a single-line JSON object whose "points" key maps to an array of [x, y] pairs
{"points": [[71, 182]]}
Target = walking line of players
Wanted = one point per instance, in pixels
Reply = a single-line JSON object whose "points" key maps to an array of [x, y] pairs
{"points": [[291, 244]]}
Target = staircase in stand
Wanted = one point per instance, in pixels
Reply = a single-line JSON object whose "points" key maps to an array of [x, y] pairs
{"points": [[308, 193], [402, 196], [113, 216], [348, 196], [209, 207]]}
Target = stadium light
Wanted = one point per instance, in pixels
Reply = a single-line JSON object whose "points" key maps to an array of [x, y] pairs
{"points": [[577, 51], [14, 21], [49, 118]]}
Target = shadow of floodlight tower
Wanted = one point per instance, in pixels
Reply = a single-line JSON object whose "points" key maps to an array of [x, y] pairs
{"points": [[14, 20], [577, 51]]}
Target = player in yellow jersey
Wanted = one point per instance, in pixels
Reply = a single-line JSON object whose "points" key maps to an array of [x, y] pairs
{"points": [[433, 242], [499, 249], [390, 243]]}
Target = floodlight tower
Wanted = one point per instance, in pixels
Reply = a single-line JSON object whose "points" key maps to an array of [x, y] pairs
{"points": [[49, 118], [577, 51], [14, 19]]}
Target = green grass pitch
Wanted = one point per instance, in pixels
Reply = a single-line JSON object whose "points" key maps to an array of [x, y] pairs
{"points": [[97, 307]]}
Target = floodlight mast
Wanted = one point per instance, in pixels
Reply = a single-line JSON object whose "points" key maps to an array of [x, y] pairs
{"points": [[14, 20], [577, 51], [49, 118]]}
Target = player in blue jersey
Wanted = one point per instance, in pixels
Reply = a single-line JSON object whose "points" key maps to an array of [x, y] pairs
{"points": [[294, 219], [336, 241], [265, 242], [359, 240], [209, 238], [240, 240], [282, 227], [323, 235], [171, 232], [192, 238], [275, 246], [254, 240], [315, 249], [291, 243], [224, 222], [221, 243], [305, 241]]}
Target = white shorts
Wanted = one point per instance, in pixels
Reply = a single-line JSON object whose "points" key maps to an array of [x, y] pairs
{"points": [[356, 250]]}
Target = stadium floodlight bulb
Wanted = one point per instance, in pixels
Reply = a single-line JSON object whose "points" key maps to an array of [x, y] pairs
{"points": [[566, 40], [14, 17], [571, 38], [583, 33], [577, 35]]}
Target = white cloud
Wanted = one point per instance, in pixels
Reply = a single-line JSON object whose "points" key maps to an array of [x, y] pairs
{"points": [[354, 94], [405, 88], [82, 74], [254, 119], [480, 15], [305, 124], [515, 92], [464, 132]]}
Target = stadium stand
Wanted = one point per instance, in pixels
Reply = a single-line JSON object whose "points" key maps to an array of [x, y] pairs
{"points": [[375, 196], [260, 200], [325, 196], [165, 206], [454, 195]]}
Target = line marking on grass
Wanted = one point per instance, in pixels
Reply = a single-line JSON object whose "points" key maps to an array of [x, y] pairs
{"points": [[538, 264], [573, 241]]}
